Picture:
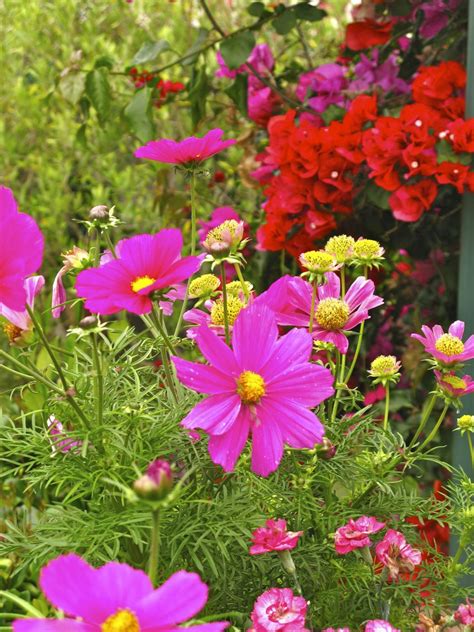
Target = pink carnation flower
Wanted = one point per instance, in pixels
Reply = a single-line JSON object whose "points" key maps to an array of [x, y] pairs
{"points": [[279, 610], [263, 386], [145, 263], [189, 151], [355, 534], [290, 299], [21, 251], [396, 554], [20, 321], [465, 614], [274, 537], [116, 597], [379, 625], [448, 348], [454, 386]]}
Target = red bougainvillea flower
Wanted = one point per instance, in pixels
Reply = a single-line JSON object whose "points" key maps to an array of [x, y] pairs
{"points": [[145, 263], [290, 299], [465, 614], [263, 386], [380, 625], [21, 251], [19, 322], [434, 85], [454, 386], [448, 348], [279, 610], [190, 151], [396, 554], [274, 537], [116, 597], [355, 534], [410, 201], [367, 33]]}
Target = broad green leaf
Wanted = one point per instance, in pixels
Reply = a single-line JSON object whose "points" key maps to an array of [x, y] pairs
{"points": [[138, 115], [377, 195], [198, 91], [106, 61], [306, 11], [446, 153], [72, 85], [332, 113], [256, 9], [150, 51], [98, 91], [238, 93], [284, 22], [196, 47], [236, 49]]}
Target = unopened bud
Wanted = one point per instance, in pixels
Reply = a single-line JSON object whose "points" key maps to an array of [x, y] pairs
{"points": [[156, 483], [88, 322], [224, 238], [99, 212], [287, 562]]}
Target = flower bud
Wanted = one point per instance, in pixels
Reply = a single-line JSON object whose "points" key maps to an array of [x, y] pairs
{"points": [[88, 322], [156, 483], [466, 423], [225, 238], [235, 288], [341, 246], [319, 261], [99, 212], [203, 286], [367, 251], [287, 562], [385, 369]]}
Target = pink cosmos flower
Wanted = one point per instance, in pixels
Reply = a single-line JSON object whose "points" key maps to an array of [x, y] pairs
{"points": [[279, 610], [71, 259], [274, 537], [189, 151], [454, 386], [59, 439], [116, 597], [465, 614], [396, 554], [379, 625], [447, 348], [355, 534], [263, 386], [21, 251], [145, 263], [290, 299], [20, 321]]}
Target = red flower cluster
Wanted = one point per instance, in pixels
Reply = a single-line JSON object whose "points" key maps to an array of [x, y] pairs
{"points": [[317, 166], [162, 88]]}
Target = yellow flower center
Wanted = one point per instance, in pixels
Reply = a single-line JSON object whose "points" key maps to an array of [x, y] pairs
{"points": [[233, 309], [203, 285], [230, 224], [367, 249], [235, 287], [12, 332], [384, 365], [454, 381], [449, 345], [121, 621], [341, 247], [250, 387], [317, 260], [332, 313], [466, 422], [142, 282]]}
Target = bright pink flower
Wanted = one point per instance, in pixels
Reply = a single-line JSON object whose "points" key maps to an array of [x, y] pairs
{"points": [[274, 537], [379, 625], [355, 534], [465, 614], [396, 554], [21, 251], [20, 320], [290, 299], [59, 439], [145, 263], [453, 385], [447, 348], [189, 151], [279, 610], [263, 386], [116, 597], [336, 630]]}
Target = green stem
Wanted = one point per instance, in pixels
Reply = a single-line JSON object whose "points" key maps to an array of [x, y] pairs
{"points": [[343, 282], [242, 282], [99, 381], [154, 546], [387, 406], [356, 352], [109, 243], [157, 322], [313, 301], [471, 448], [424, 419], [339, 387], [32, 373], [169, 374], [432, 434], [224, 300]]}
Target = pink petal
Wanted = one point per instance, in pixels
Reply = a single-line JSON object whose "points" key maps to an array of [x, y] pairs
{"points": [[293, 348], [336, 337], [218, 626], [216, 351], [457, 329], [215, 414], [267, 446], [332, 287], [356, 318], [181, 597], [226, 448], [305, 384], [59, 293], [359, 291], [178, 271], [52, 625], [8, 205], [254, 336], [203, 378], [300, 428]]}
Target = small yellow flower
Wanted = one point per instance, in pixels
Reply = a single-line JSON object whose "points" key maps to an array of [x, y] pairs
{"points": [[368, 251], [319, 261], [203, 285], [385, 369], [341, 246], [466, 423]]}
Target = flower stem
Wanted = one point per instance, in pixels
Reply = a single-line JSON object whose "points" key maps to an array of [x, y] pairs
{"points": [[424, 419], [343, 282], [154, 546], [471, 448], [242, 282], [387, 406], [99, 381], [224, 300], [313, 302], [156, 318], [339, 387], [109, 243], [356, 352], [438, 423]]}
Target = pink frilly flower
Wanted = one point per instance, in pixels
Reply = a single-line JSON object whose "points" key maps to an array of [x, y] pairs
{"points": [[71, 259], [116, 597], [189, 151], [263, 386], [290, 299], [396, 554], [465, 613], [21, 251], [454, 386], [380, 625], [145, 263], [448, 348], [20, 323], [279, 610], [355, 534], [274, 537], [60, 442]]}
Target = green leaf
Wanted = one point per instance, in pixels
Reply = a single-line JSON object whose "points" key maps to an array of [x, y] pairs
{"points": [[104, 61], [71, 86], [198, 91], [236, 49], [305, 11], [256, 9], [378, 196], [196, 47], [238, 93], [332, 113], [446, 153], [139, 116], [98, 91], [150, 51], [284, 22]]}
